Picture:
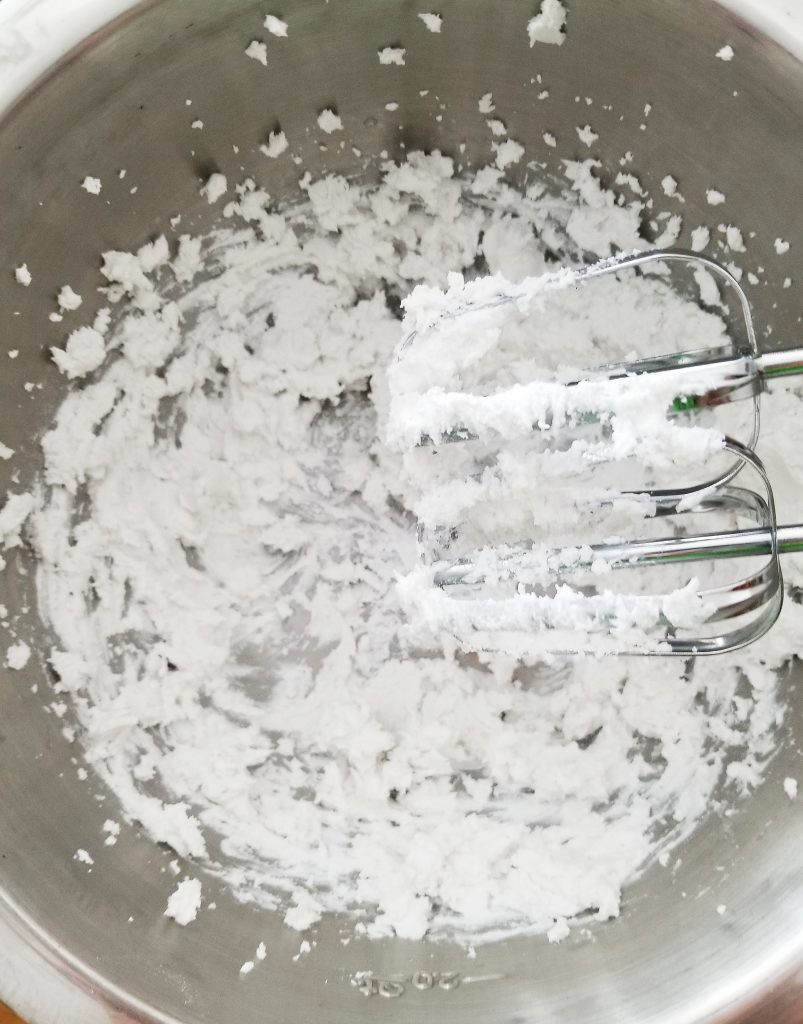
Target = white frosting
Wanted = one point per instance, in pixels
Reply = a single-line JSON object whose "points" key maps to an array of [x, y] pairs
{"points": [[258, 51], [17, 655], [275, 25], [392, 55], [549, 25], [433, 22], [185, 902], [228, 625]]}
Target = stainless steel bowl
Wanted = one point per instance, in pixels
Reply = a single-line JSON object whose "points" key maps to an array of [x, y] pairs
{"points": [[79, 947]]}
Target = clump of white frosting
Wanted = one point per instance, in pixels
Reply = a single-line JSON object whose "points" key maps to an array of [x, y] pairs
{"points": [[184, 904], [549, 25]]}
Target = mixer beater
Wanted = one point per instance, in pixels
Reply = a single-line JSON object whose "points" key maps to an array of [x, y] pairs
{"points": [[531, 596]]}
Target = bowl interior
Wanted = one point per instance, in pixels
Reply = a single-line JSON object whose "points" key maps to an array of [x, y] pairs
{"points": [[122, 101]]}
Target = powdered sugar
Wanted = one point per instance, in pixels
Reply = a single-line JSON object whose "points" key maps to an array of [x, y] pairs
{"points": [[700, 238], [220, 531], [507, 153], [329, 121], [257, 51], [23, 275], [433, 22], [548, 26], [392, 55], [92, 185], [275, 146], [587, 135], [84, 352], [184, 904], [17, 655], [68, 299], [276, 26], [216, 186], [14, 513]]}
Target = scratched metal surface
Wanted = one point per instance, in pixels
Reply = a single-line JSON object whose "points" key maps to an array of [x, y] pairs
{"points": [[69, 952]]}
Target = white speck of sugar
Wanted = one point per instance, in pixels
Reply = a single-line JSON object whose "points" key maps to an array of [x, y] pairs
{"points": [[433, 22], [304, 911], [790, 787], [781, 246], [68, 299], [714, 197], [247, 967], [708, 287], [631, 181], [184, 902], [91, 185], [257, 51], [485, 104], [507, 153], [112, 830], [303, 949], [23, 275], [276, 145], [261, 951], [18, 655], [13, 516], [276, 26], [216, 186], [549, 139], [726, 53], [84, 352], [559, 931], [83, 857], [700, 237], [392, 55], [587, 135], [549, 25], [733, 237], [329, 121]]}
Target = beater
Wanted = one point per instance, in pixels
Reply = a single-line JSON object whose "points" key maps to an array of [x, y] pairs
{"points": [[542, 608]]}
